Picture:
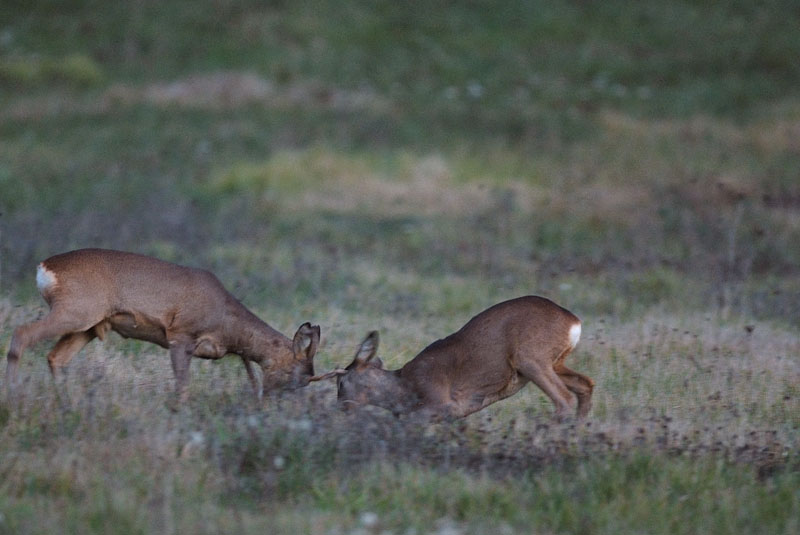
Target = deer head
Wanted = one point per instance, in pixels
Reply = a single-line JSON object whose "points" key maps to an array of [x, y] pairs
{"points": [[365, 382], [300, 355]]}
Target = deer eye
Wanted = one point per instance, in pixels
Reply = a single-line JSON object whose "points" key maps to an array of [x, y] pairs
{"points": [[343, 383]]}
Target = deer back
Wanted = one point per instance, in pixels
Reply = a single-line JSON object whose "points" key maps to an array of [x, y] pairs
{"points": [[485, 354], [137, 293]]}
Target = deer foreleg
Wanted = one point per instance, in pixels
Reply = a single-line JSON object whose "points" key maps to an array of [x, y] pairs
{"points": [[252, 376], [181, 356]]}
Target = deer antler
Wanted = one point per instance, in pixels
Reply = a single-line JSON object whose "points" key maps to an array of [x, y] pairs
{"points": [[332, 373]]}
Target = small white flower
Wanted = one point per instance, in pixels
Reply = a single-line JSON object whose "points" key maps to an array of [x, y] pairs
{"points": [[278, 462], [368, 519], [193, 445], [600, 82], [475, 89], [447, 527]]}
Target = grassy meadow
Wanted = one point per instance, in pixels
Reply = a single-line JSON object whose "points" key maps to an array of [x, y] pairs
{"points": [[377, 165]]}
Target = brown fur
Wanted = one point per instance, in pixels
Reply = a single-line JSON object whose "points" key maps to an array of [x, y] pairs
{"points": [[184, 309], [490, 358]]}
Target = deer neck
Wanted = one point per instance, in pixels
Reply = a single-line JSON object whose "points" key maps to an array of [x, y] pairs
{"points": [[250, 337]]}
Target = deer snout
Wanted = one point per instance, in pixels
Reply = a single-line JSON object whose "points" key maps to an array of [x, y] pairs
{"points": [[284, 380], [299, 377], [297, 382]]}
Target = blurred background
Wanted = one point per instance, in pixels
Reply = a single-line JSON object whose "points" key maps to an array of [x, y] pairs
{"points": [[389, 154]]}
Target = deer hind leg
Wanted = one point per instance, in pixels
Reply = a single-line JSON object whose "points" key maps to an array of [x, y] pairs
{"points": [[580, 385], [546, 378], [67, 347], [56, 323]]}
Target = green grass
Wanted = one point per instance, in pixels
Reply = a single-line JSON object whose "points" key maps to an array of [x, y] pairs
{"points": [[704, 438], [372, 165], [596, 496]]}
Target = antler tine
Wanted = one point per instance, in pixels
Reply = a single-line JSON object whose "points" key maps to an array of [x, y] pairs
{"points": [[328, 375]]}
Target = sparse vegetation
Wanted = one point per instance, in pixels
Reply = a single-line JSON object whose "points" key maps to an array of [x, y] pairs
{"points": [[372, 165]]}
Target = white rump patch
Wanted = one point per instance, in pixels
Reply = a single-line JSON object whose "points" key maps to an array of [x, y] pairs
{"points": [[574, 335], [45, 279]]}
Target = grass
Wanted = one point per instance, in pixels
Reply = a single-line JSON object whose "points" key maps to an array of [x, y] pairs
{"points": [[704, 438], [375, 166]]}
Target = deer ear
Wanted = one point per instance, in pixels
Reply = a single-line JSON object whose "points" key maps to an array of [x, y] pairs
{"points": [[367, 350], [306, 341]]}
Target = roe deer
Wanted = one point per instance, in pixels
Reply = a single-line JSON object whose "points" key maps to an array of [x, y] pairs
{"points": [[491, 358], [187, 310]]}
